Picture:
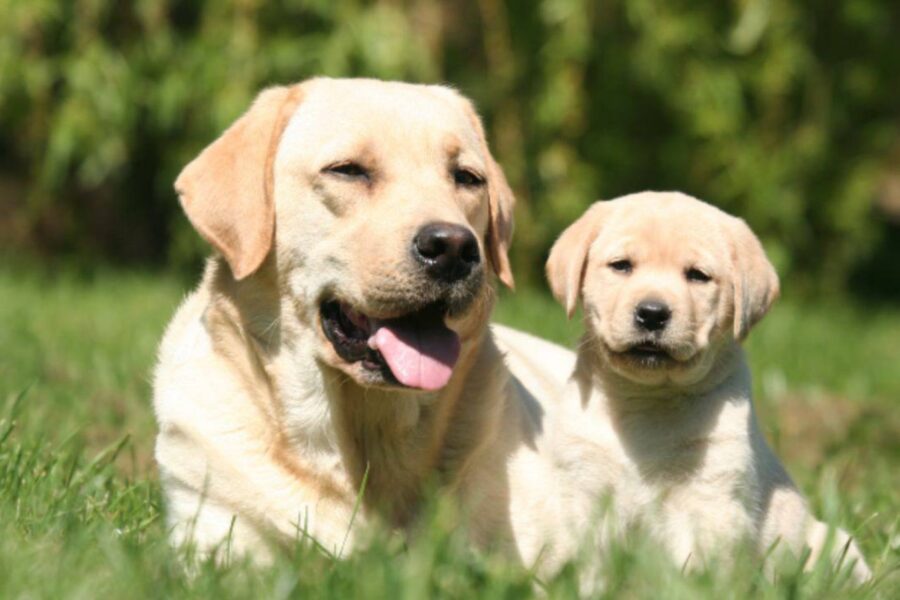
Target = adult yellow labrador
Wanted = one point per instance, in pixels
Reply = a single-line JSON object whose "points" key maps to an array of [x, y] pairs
{"points": [[342, 328]]}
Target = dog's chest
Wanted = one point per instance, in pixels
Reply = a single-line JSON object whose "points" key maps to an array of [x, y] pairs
{"points": [[687, 488]]}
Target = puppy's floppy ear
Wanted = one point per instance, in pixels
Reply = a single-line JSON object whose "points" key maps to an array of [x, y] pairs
{"points": [[568, 257], [755, 281], [226, 191], [501, 199]]}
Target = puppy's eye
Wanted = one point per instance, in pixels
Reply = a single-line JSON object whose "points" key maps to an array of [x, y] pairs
{"points": [[621, 266], [467, 178], [695, 274], [348, 170]]}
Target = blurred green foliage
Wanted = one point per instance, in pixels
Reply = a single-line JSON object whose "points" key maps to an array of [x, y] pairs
{"points": [[785, 113]]}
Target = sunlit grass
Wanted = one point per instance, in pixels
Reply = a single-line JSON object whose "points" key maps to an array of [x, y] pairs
{"points": [[81, 511]]}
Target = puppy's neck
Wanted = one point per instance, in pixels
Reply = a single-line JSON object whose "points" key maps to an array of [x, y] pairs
{"points": [[660, 426], [620, 394], [673, 411]]}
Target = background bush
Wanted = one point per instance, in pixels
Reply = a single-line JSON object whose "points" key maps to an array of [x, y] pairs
{"points": [[785, 113]]}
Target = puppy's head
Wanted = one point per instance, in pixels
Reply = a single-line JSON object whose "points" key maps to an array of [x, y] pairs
{"points": [[667, 282], [380, 210]]}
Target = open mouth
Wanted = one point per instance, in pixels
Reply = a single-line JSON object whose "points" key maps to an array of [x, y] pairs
{"points": [[649, 354], [416, 350]]}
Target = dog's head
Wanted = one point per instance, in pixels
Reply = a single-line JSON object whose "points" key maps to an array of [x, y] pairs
{"points": [[381, 211], [666, 282]]}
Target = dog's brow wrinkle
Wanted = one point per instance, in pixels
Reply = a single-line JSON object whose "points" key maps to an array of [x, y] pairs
{"points": [[453, 146]]}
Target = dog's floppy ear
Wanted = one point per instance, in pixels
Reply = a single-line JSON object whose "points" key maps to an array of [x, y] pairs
{"points": [[501, 199], [500, 230], [568, 257], [226, 191], [755, 281]]}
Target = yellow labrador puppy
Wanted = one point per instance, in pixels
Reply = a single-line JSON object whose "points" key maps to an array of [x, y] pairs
{"points": [[658, 417], [342, 329]]}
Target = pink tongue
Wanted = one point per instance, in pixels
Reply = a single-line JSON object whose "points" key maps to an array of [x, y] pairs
{"points": [[419, 357]]}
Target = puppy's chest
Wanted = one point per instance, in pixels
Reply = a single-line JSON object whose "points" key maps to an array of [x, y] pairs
{"points": [[666, 484]]}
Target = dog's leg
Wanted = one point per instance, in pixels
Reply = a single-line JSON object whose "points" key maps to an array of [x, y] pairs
{"points": [[240, 500], [788, 525], [841, 548]]}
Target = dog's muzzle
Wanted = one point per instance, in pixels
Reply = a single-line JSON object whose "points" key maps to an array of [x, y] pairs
{"points": [[448, 252]]}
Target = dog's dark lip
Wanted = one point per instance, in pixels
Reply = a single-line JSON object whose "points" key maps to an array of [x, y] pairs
{"points": [[647, 348], [648, 354], [348, 330], [349, 339]]}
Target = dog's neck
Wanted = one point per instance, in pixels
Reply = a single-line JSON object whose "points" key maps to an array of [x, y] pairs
{"points": [[654, 424], [630, 395], [401, 441], [410, 441]]}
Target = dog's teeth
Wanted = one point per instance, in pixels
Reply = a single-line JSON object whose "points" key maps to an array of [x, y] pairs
{"points": [[358, 319], [355, 318]]}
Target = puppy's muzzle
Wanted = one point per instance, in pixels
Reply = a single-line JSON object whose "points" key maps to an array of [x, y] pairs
{"points": [[447, 252], [652, 315]]}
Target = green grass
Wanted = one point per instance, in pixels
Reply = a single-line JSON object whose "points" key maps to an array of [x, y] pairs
{"points": [[81, 511]]}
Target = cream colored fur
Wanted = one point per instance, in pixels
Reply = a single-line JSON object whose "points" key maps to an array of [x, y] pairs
{"points": [[674, 449], [265, 432]]}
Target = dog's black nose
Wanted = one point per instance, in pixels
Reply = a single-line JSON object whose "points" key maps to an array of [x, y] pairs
{"points": [[652, 315], [448, 252]]}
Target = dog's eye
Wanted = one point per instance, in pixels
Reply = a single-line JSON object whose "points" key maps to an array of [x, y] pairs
{"points": [[467, 178], [621, 266], [349, 170], [695, 274]]}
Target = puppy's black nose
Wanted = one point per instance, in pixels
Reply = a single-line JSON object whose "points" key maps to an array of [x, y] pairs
{"points": [[448, 252], [652, 315]]}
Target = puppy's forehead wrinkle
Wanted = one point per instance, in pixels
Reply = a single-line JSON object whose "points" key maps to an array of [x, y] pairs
{"points": [[613, 246], [668, 246]]}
